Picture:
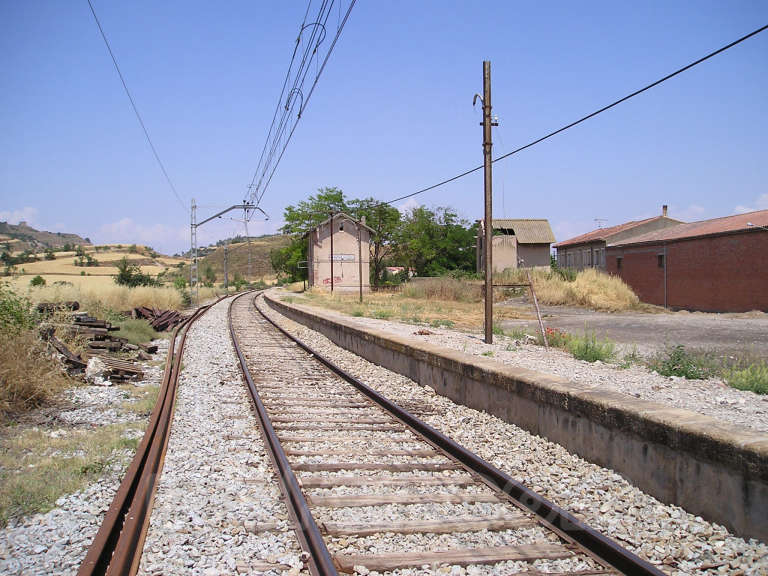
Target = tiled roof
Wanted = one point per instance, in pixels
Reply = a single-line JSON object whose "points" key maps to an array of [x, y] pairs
{"points": [[604, 233], [702, 228], [527, 230]]}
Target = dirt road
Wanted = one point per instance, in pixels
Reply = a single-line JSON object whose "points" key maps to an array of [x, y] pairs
{"points": [[732, 334]]}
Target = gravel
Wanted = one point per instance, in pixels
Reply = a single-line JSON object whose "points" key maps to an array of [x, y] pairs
{"points": [[679, 542], [217, 508]]}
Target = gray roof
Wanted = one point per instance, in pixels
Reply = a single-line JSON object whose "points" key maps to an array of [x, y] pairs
{"points": [[527, 230]]}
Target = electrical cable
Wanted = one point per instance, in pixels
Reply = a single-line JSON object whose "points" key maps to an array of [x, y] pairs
{"points": [[136, 110], [587, 117]]}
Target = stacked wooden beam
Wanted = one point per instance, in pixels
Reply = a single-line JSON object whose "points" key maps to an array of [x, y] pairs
{"points": [[160, 320], [101, 342]]}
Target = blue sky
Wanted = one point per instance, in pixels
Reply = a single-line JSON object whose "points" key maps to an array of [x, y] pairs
{"points": [[392, 113]]}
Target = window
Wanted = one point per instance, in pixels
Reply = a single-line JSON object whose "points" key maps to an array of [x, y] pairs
{"points": [[660, 260], [619, 260]]}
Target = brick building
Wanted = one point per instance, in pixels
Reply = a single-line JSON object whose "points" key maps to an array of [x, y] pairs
{"points": [[718, 265], [351, 244], [588, 250], [516, 242]]}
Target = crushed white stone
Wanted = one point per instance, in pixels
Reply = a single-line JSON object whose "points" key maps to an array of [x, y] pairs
{"points": [[217, 508]]}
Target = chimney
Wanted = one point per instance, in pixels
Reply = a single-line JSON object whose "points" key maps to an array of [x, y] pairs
{"points": [[664, 210]]}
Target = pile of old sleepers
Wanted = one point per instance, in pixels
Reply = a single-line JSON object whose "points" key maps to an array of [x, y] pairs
{"points": [[101, 341], [160, 320]]}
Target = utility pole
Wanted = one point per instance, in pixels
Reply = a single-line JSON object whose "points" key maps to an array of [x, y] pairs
{"points": [[193, 251], [488, 180], [360, 256], [226, 275], [331, 221]]}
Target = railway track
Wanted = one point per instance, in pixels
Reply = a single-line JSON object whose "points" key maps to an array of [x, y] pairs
{"points": [[369, 485]]}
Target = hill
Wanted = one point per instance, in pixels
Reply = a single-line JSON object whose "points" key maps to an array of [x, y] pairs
{"points": [[261, 268], [20, 237]]}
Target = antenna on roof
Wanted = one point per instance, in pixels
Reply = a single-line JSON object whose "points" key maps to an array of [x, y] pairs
{"points": [[600, 221]]}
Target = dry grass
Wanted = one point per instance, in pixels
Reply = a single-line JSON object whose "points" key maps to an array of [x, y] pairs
{"points": [[431, 311], [102, 297], [591, 289], [36, 469], [29, 375]]}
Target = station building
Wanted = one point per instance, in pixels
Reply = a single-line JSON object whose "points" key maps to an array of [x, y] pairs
{"points": [[339, 244]]}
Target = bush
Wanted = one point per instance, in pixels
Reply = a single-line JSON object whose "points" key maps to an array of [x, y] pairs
{"points": [[753, 377], [131, 275], [37, 281], [676, 361], [16, 312], [555, 338], [591, 349]]}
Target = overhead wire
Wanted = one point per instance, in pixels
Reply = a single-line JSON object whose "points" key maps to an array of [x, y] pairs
{"points": [[136, 110], [585, 118], [295, 102]]}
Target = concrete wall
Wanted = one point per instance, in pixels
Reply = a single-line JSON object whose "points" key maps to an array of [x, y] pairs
{"points": [[504, 252], [580, 256], [725, 273], [709, 468], [534, 255], [345, 250]]}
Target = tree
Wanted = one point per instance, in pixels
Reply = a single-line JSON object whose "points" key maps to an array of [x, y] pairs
{"points": [[131, 275], [384, 220], [210, 275], [37, 281], [311, 212], [434, 242]]}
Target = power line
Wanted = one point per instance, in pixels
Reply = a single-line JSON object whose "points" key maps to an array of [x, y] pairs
{"points": [[588, 116], [136, 110], [277, 141]]}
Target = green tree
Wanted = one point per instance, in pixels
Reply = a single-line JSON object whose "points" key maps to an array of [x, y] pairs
{"points": [[37, 281], [131, 275], [384, 220], [434, 242], [209, 275], [311, 212]]}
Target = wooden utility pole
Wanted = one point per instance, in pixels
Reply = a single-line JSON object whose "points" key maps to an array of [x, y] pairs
{"points": [[488, 180], [360, 258], [226, 271], [331, 223]]}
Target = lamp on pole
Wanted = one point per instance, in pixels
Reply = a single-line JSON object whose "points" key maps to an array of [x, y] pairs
{"points": [[756, 226]]}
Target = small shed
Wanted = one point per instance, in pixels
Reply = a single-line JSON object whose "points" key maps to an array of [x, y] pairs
{"points": [[337, 247], [517, 242]]}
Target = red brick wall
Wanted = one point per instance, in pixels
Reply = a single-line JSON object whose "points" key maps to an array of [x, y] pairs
{"points": [[726, 273]]}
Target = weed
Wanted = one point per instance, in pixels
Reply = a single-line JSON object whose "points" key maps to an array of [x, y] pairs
{"points": [[137, 331], [752, 377], [630, 359], [442, 323], [498, 330], [382, 314], [591, 349], [555, 338], [488, 353], [517, 333], [36, 469], [357, 312], [677, 361]]}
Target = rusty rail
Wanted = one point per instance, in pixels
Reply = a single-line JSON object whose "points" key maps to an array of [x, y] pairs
{"points": [[320, 562], [118, 544], [596, 544]]}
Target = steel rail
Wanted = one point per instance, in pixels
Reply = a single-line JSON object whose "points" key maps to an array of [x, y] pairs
{"points": [[598, 544], [320, 561], [117, 546]]}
